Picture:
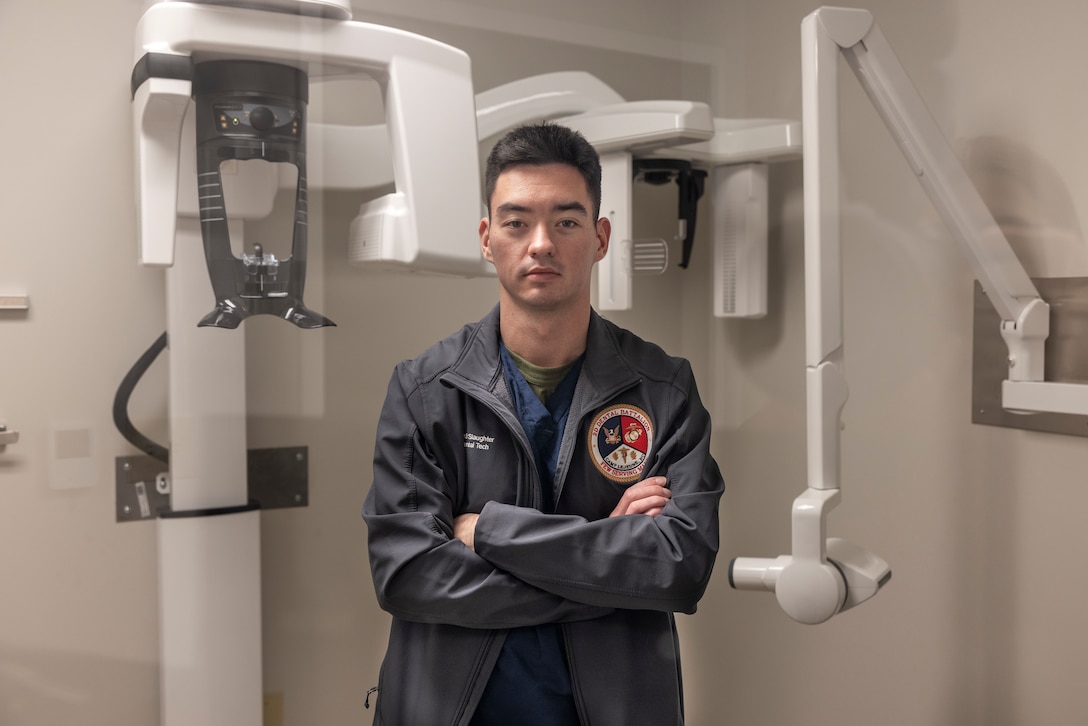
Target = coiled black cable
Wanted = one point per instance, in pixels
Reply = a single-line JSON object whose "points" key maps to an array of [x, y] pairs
{"points": [[120, 403]]}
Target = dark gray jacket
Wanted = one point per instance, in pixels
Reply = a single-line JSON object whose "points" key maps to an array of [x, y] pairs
{"points": [[449, 443]]}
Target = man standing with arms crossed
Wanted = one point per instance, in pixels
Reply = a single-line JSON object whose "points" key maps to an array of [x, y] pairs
{"points": [[544, 498]]}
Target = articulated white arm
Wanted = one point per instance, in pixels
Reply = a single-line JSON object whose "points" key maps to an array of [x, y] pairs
{"points": [[1025, 316], [822, 576], [801, 580]]}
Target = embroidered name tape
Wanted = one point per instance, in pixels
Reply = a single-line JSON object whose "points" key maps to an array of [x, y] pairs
{"points": [[620, 439]]}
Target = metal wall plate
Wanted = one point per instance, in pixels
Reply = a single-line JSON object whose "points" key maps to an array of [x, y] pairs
{"points": [[136, 494], [277, 478], [1066, 356]]}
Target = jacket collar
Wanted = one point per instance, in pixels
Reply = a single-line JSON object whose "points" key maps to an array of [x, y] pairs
{"points": [[605, 366]]}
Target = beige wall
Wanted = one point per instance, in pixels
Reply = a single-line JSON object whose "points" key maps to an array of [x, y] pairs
{"points": [[981, 624]]}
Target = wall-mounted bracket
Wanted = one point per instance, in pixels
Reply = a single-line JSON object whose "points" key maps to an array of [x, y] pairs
{"points": [[277, 479], [1066, 361]]}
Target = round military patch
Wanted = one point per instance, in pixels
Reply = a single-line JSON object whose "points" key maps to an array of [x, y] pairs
{"points": [[619, 442]]}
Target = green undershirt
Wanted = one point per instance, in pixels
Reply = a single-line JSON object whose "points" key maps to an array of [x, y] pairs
{"points": [[543, 381]]}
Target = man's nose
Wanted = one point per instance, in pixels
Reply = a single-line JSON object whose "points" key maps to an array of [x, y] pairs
{"points": [[541, 243]]}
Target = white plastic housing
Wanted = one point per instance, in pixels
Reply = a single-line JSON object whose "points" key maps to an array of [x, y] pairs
{"points": [[739, 141], [643, 125], [1044, 396], [739, 205], [435, 165], [865, 573], [210, 603], [614, 271], [545, 96], [341, 156], [616, 131], [158, 111], [733, 143], [358, 158], [756, 573], [334, 9], [375, 231], [810, 592]]}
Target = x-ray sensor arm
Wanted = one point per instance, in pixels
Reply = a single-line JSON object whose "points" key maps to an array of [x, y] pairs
{"points": [[624, 133], [619, 130], [825, 576]]}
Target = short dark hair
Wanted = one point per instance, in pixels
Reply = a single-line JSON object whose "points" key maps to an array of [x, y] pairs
{"points": [[545, 143]]}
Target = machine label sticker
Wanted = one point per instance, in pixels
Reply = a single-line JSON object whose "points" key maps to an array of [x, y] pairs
{"points": [[620, 438]]}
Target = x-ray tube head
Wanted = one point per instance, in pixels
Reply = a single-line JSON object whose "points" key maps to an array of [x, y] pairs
{"points": [[251, 110]]}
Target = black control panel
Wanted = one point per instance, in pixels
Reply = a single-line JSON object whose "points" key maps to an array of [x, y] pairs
{"points": [[258, 119]]}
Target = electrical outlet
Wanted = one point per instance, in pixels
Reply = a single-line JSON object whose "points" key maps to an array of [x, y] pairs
{"points": [[273, 709]]}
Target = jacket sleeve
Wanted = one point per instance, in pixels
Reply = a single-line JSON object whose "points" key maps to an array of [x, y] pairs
{"points": [[421, 571], [632, 561]]}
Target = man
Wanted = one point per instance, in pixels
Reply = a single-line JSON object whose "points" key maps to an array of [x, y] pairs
{"points": [[544, 498]]}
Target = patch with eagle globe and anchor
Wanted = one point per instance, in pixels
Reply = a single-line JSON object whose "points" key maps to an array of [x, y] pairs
{"points": [[620, 438]]}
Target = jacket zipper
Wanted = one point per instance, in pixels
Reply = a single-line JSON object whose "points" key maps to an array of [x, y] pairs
{"points": [[512, 424], [569, 439], [507, 417]]}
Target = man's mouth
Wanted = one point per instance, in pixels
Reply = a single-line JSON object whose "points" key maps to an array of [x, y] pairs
{"points": [[542, 272]]}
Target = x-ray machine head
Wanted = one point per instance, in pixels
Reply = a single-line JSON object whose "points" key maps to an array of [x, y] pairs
{"points": [[240, 76]]}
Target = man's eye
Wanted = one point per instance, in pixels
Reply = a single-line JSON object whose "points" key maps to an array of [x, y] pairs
{"points": [[568, 223], [516, 223]]}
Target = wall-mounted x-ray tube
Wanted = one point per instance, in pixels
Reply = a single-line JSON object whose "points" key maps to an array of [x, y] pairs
{"points": [[821, 577]]}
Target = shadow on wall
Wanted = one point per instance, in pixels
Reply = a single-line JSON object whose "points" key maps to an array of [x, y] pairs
{"points": [[40, 687], [1031, 203]]}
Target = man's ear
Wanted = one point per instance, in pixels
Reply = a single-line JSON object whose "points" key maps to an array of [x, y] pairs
{"points": [[604, 234], [485, 239]]}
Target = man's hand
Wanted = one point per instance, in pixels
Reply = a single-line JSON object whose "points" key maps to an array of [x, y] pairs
{"points": [[647, 497], [464, 529]]}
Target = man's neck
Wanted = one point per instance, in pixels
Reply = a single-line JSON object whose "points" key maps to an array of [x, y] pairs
{"points": [[544, 340]]}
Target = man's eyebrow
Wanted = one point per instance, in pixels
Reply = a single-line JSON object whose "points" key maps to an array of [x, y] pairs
{"points": [[511, 207], [515, 208], [571, 207]]}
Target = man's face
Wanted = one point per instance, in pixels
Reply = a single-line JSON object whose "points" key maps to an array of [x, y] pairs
{"points": [[542, 237]]}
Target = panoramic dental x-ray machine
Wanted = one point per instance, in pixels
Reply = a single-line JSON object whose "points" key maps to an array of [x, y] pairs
{"points": [[823, 576], [219, 104]]}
